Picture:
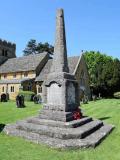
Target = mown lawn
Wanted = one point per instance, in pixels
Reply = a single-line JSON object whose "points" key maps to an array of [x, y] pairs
{"points": [[13, 148]]}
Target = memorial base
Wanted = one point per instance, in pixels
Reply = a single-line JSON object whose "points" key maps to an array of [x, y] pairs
{"points": [[81, 133]]}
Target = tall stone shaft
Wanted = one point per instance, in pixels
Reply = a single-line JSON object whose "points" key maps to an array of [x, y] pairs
{"points": [[62, 90], [60, 63]]}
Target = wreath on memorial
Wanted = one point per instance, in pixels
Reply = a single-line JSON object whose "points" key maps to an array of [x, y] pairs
{"points": [[77, 114]]}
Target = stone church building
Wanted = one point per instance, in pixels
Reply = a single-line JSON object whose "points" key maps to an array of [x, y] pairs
{"points": [[29, 72]]}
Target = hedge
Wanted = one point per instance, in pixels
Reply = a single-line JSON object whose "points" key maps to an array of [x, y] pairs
{"points": [[28, 95]]}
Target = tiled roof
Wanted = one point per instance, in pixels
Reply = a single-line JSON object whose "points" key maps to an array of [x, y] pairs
{"points": [[25, 63], [72, 62]]}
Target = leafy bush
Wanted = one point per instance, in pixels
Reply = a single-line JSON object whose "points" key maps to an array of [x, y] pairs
{"points": [[28, 95], [104, 73], [117, 95]]}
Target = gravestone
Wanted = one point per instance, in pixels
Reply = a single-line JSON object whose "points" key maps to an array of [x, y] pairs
{"points": [[3, 98], [20, 101], [60, 123], [37, 99]]}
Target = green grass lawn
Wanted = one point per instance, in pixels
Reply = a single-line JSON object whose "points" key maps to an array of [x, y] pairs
{"points": [[14, 148]]}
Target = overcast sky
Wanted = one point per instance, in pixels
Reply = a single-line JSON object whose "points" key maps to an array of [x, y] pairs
{"points": [[90, 24]]}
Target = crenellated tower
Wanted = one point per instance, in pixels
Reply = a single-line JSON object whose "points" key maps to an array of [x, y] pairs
{"points": [[7, 50]]}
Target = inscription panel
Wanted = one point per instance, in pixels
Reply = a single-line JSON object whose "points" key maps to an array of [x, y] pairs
{"points": [[54, 94], [71, 93]]}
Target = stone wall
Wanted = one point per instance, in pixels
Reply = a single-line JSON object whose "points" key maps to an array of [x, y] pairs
{"points": [[7, 50], [2, 59], [9, 47], [12, 95], [82, 77], [6, 88], [19, 75]]}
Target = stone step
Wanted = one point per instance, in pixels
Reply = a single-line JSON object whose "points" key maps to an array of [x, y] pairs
{"points": [[56, 115], [91, 141], [62, 133], [90, 127], [71, 124], [95, 138]]}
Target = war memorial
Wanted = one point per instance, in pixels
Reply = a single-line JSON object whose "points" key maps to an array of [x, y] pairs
{"points": [[61, 123]]}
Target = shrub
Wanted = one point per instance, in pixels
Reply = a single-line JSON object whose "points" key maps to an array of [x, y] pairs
{"points": [[117, 95], [28, 95]]}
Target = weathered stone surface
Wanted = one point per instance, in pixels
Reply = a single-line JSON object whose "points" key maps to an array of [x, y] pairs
{"points": [[60, 63], [71, 124], [95, 138], [91, 140], [62, 133], [56, 115], [7, 50], [62, 87], [54, 94]]}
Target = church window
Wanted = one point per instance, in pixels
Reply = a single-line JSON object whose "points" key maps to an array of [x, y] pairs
{"points": [[5, 76], [82, 78], [2, 89], [14, 75], [26, 74], [21, 74], [12, 88], [40, 89]]}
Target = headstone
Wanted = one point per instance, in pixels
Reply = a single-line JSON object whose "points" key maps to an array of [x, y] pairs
{"points": [[3, 98], [37, 99], [99, 96], [85, 99], [94, 97], [20, 101]]}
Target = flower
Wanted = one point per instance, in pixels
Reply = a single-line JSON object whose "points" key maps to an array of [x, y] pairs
{"points": [[77, 114]]}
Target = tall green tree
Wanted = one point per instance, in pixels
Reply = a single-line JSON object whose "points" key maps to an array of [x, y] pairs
{"points": [[104, 73], [42, 47], [31, 47], [35, 48]]}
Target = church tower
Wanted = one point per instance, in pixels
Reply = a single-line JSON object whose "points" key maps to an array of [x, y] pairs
{"points": [[7, 50]]}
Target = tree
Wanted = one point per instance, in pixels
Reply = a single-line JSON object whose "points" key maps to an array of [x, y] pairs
{"points": [[104, 73], [35, 48], [30, 48], [45, 47]]}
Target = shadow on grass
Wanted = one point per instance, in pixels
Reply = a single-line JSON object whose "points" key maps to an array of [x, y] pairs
{"points": [[2, 127], [104, 118]]}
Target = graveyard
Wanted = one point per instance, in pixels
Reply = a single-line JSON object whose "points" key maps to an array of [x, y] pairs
{"points": [[57, 107], [61, 124], [11, 147]]}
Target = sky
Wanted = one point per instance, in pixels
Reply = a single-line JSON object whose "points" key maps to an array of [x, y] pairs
{"points": [[90, 24]]}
